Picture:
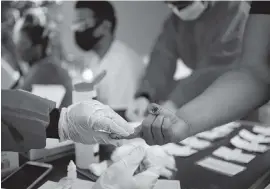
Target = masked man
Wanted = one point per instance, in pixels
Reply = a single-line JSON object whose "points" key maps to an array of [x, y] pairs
{"points": [[94, 31], [207, 36]]}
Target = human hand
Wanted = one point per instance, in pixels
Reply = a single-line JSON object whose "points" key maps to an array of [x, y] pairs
{"points": [[169, 105], [136, 111], [162, 126], [92, 122], [156, 156], [120, 174]]}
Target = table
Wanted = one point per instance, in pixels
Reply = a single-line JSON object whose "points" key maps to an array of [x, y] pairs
{"points": [[192, 176], [59, 170]]}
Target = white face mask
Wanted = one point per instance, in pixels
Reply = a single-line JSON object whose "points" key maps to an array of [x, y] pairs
{"points": [[191, 12]]}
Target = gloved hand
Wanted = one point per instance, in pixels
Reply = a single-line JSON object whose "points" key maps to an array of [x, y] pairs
{"points": [[120, 174], [91, 122], [136, 111], [156, 156], [162, 126]]}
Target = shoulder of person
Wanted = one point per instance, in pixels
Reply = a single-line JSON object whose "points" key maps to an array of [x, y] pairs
{"points": [[125, 52]]}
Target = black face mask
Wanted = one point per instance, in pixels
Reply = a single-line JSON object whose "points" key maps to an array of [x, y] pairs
{"points": [[85, 39]]}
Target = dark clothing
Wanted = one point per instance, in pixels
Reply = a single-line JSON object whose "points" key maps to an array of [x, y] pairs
{"points": [[260, 7], [26, 121]]}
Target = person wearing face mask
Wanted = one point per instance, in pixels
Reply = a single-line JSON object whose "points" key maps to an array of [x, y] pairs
{"points": [[206, 36], [94, 32], [32, 41]]}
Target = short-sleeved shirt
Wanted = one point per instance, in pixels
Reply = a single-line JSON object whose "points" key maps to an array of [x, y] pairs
{"points": [[260, 7]]}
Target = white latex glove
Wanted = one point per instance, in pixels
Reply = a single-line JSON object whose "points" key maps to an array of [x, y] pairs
{"points": [[136, 111], [92, 122], [120, 174], [156, 156]]}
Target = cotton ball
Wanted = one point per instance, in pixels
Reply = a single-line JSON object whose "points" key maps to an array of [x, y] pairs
{"points": [[125, 149], [157, 157]]}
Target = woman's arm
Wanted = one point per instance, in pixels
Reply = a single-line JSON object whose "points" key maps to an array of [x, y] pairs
{"points": [[236, 92]]}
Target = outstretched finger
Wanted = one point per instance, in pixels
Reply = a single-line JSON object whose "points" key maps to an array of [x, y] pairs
{"points": [[156, 109]]}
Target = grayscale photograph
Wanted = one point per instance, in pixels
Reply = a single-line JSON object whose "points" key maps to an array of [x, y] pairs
{"points": [[135, 94]]}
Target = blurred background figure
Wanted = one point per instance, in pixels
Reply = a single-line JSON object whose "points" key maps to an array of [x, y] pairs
{"points": [[11, 12], [207, 36], [94, 28], [10, 64], [32, 40]]}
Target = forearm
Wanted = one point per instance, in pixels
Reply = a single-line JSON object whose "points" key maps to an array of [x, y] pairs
{"points": [[192, 86], [231, 97], [237, 92]]}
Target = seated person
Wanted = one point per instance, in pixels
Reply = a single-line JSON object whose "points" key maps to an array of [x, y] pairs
{"points": [[32, 42], [94, 31]]}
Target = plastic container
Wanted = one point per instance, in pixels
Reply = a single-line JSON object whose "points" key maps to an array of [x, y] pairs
{"points": [[68, 181]]}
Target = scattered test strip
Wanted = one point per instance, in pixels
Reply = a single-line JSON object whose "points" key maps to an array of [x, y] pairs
{"points": [[177, 150], [253, 137], [262, 130], [226, 168], [228, 127], [234, 155], [249, 146], [211, 135], [196, 143]]}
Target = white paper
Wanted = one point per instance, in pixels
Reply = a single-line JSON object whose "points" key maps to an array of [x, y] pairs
{"points": [[220, 166], [232, 125], [235, 155], [253, 137], [212, 135], [249, 146], [54, 143], [227, 128], [55, 93], [177, 150], [49, 185], [261, 130], [196, 143]]}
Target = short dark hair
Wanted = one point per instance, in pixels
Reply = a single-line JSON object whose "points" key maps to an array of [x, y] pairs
{"points": [[35, 31], [103, 10]]}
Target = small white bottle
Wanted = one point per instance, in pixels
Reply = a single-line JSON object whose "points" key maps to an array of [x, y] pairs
{"points": [[67, 182]]}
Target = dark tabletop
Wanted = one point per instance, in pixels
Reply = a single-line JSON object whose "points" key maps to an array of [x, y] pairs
{"points": [[193, 176]]}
